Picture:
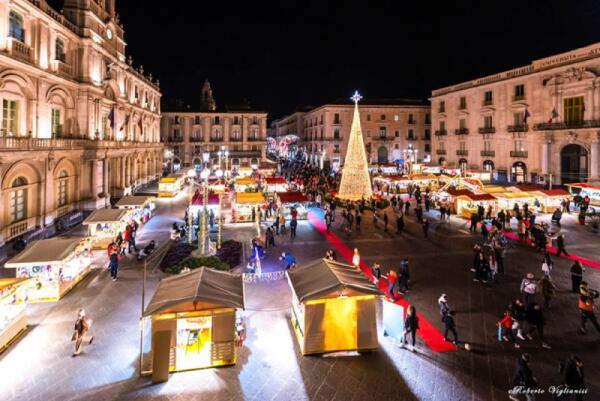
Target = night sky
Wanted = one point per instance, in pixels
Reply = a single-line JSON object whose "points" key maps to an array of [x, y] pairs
{"points": [[288, 54]]}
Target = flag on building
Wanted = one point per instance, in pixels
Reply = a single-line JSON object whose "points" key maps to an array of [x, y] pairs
{"points": [[124, 123], [554, 115], [111, 118], [526, 115]]}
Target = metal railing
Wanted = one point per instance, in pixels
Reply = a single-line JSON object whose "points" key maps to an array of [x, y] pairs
{"points": [[441, 151], [488, 153], [518, 128], [462, 152], [441, 132], [567, 125], [487, 130], [461, 131], [518, 153]]}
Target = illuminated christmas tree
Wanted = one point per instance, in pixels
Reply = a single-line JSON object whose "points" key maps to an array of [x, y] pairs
{"points": [[356, 182]]}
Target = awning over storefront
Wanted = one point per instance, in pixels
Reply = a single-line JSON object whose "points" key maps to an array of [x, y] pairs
{"points": [[133, 201], [45, 251], [329, 279], [200, 289], [106, 216], [292, 197], [249, 197]]}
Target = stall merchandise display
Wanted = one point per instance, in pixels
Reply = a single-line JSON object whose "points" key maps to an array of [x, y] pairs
{"points": [[466, 205], [54, 266], [142, 207], [276, 184], [584, 189], [244, 203], [13, 319], [551, 199], [171, 185], [105, 224], [295, 200]]}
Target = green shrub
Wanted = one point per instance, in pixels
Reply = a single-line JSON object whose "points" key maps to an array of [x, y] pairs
{"points": [[194, 263]]}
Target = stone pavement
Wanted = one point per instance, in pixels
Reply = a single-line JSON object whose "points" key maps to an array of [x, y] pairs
{"points": [[40, 367]]}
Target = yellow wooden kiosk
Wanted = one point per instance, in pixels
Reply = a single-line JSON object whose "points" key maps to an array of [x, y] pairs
{"points": [[243, 205], [170, 185], [142, 207], [55, 266], [333, 308], [193, 321], [105, 224], [13, 318]]}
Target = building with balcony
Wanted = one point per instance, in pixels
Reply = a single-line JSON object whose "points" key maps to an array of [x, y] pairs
{"points": [[187, 134], [287, 132], [79, 124], [393, 130], [529, 124]]}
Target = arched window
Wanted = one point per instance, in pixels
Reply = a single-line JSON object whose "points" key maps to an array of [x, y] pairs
{"points": [[488, 165], [63, 188], [15, 26], [463, 164], [59, 50], [18, 200]]}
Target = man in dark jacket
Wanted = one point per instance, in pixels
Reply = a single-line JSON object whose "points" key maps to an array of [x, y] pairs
{"points": [[523, 382], [411, 324], [450, 326], [573, 378], [399, 223], [536, 321], [560, 245]]}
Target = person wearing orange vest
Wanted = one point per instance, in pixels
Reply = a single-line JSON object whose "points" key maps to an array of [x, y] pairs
{"points": [[586, 307]]}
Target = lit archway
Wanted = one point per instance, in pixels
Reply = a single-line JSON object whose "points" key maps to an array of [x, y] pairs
{"points": [[518, 172], [488, 165]]}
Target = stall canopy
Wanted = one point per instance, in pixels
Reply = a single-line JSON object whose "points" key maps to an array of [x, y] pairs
{"points": [[249, 197], [292, 197], [45, 252], [245, 181], [276, 181], [200, 289], [103, 216], [329, 279], [554, 192], [133, 201], [198, 199]]}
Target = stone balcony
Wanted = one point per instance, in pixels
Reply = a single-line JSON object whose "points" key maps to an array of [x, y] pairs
{"points": [[15, 144], [216, 139], [461, 131], [462, 152], [441, 132], [518, 153], [441, 152], [64, 70], [20, 50], [411, 138], [256, 139], [567, 125], [488, 153], [175, 139], [196, 139], [518, 128], [487, 130]]}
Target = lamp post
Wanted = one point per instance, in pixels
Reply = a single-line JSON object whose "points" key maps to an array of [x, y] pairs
{"points": [[204, 175], [219, 174], [191, 175]]}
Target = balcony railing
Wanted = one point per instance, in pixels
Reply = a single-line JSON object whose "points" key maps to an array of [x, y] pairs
{"points": [[383, 138], [518, 97], [461, 131], [175, 139], [239, 153], [426, 137], [441, 132], [462, 152], [487, 130], [518, 153], [196, 139], [567, 125], [20, 50], [441, 151], [487, 102], [216, 139], [411, 138], [488, 153], [413, 121], [235, 139], [518, 128], [64, 69], [13, 144], [255, 139]]}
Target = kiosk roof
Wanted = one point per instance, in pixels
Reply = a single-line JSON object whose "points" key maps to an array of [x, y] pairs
{"points": [[45, 251], [106, 216], [131, 200]]}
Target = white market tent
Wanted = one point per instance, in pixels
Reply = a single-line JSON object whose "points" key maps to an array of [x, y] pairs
{"points": [[133, 201], [105, 216], [200, 289], [45, 252], [333, 307]]}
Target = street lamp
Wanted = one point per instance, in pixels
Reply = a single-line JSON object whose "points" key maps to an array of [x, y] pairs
{"points": [[191, 174], [219, 174]]}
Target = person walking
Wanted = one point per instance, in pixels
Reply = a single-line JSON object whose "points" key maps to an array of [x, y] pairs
{"points": [[577, 270], [385, 222], [573, 378], [83, 324], [506, 328], [328, 221], [536, 322], [276, 225], [529, 287], [586, 308], [443, 304], [293, 226], [356, 258], [282, 223], [425, 226], [114, 265], [392, 277], [288, 260], [399, 223], [548, 290], [449, 326], [411, 325], [560, 245], [419, 213], [403, 276], [524, 382], [358, 219]]}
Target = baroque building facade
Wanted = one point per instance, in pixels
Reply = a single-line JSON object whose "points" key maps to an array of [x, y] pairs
{"points": [[535, 123], [394, 130], [79, 124], [188, 134]]}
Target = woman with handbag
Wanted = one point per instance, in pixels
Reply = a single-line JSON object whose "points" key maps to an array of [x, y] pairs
{"points": [[82, 327]]}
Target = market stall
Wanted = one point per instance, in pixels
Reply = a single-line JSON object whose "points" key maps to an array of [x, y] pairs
{"points": [[266, 170], [242, 184], [584, 189], [293, 200], [105, 224], [467, 204], [197, 204], [244, 171], [141, 207], [13, 319], [276, 184], [424, 181], [392, 183], [244, 203], [550, 199], [333, 308], [55, 266], [483, 176], [447, 197], [171, 185], [195, 313], [507, 200], [217, 185]]}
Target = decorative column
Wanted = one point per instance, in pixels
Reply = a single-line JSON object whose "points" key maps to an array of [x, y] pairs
{"points": [[94, 179], [594, 161]]}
